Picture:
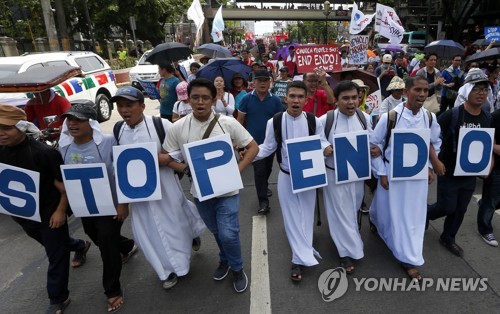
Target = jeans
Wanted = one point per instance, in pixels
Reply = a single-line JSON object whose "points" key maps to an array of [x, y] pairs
{"points": [[262, 170], [489, 201], [220, 215], [453, 196]]}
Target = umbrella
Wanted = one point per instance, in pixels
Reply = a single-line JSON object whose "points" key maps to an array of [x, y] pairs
{"points": [[215, 51], [391, 47], [355, 73], [483, 42], [169, 52], [225, 67], [371, 54], [445, 48], [283, 52], [38, 79], [490, 54]]}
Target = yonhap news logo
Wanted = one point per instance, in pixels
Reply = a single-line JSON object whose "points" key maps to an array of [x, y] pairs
{"points": [[333, 284]]}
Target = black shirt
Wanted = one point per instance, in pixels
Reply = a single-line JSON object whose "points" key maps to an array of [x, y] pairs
{"points": [[496, 124], [39, 157]]}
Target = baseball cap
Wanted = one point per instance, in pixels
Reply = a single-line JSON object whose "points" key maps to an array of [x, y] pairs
{"points": [[81, 111], [475, 75], [182, 91], [128, 92], [261, 74], [11, 115], [387, 58], [284, 69]]}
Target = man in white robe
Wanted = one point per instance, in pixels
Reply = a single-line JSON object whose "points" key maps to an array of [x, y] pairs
{"points": [[164, 229], [297, 209], [342, 200], [398, 211]]}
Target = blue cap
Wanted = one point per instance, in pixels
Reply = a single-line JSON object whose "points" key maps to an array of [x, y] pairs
{"points": [[128, 92]]}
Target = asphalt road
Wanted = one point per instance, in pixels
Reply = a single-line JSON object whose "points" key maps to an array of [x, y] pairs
{"points": [[267, 258]]}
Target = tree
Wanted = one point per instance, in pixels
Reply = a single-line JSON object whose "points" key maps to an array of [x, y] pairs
{"points": [[15, 16], [457, 13]]}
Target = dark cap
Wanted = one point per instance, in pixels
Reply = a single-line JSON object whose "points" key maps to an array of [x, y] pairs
{"points": [[255, 63], [261, 74], [128, 92], [81, 111], [284, 69], [237, 75]]}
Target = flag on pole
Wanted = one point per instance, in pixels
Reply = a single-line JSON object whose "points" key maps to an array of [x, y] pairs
{"points": [[380, 8], [359, 21], [390, 29], [218, 26], [195, 13]]}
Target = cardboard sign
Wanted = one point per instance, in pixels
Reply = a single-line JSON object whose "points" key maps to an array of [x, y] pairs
{"points": [[409, 154], [373, 101], [358, 49], [312, 56], [136, 172], [474, 152], [279, 89], [88, 190], [307, 163], [492, 33], [19, 192], [352, 157], [213, 166]]}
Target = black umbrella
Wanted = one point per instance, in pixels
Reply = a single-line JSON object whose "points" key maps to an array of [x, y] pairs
{"points": [[169, 52], [490, 54], [445, 49], [483, 42]]}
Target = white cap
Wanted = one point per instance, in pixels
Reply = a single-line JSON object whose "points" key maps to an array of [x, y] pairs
{"points": [[387, 58]]}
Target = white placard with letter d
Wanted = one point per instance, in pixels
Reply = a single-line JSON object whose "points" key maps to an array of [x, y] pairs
{"points": [[410, 154]]}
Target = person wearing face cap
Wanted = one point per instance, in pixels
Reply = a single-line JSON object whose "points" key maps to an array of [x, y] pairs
{"points": [[455, 192], [82, 142], [19, 150]]}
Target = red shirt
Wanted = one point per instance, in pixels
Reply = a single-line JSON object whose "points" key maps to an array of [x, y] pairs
{"points": [[36, 111], [321, 107]]}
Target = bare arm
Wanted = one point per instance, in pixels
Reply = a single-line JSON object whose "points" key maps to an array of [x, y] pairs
{"points": [[58, 218], [252, 150]]}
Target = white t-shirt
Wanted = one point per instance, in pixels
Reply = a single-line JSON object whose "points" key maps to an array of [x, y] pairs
{"points": [[229, 109], [182, 108]]}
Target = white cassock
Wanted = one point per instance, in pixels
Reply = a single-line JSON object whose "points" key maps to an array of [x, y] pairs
{"points": [[297, 209], [400, 212], [342, 201], [164, 229]]}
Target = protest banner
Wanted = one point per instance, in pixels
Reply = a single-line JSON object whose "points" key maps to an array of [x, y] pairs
{"points": [[380, 8], [279, 89], [213, 166], [351, 157], [409, 154], [374, 100], [86, 183], [475, 147], [390, 29], [150, 89], [312, 56], [136, 172], [307, 163], [19, 192], [492, 33], [358, 49], [359, 20]]}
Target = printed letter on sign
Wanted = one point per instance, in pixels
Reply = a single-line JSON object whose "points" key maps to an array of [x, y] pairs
{"points": [[352, 157], [410, 154], [475, 147]]}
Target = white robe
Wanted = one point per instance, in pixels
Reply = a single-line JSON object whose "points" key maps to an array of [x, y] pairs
{"points": [[342, 201], [164, 229], [297, 209], [400, 212]]}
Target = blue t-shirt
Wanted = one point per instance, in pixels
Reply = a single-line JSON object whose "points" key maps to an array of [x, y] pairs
{"points": [[168, 94], [258, 112]]}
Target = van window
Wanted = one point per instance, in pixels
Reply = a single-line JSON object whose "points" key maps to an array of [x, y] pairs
{"points": [[406, 37], [35, 66], [418, 36], [89, 64]]}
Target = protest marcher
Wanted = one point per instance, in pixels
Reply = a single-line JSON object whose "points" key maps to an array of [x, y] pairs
{"points": [[220, 214], [344, 59], [239, 90], [398, 210], [168, 228], [193, 67], [225, 100], [290, 61], [46, 103], [269, 65], [491, 186], [369, 67], [492, 72], [401, 70], [181, 107], [180, 71], [247, 57], [453, 79], [284, 74], [166, 87], [255, 110], [455, 192], [396, 88], [82, 142], [420, 65], [342, 201], [363, 92], [204, 60], [318, 101], [298, 208], [19, 150], [385, 72], [433, 76]]}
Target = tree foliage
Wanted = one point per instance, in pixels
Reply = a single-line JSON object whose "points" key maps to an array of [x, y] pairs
{"points": [[15, 16]]}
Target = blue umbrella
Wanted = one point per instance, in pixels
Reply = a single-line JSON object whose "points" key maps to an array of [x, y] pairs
{"points": [[214, 51], [445, 49], [391, 47], [225, 67]]}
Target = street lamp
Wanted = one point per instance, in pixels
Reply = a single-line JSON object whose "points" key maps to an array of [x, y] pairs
{"points": [[326, 11]]}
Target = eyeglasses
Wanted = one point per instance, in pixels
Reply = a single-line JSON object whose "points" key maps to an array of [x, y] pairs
{"points": [[480, 90]]}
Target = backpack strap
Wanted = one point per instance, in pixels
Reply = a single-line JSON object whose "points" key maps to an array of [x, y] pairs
{"points": [[116, 130], [451, 127], [158, 123], [361, 118], [311, 123], [211, 126], [391, 123], [277, 134], [330, 117]]}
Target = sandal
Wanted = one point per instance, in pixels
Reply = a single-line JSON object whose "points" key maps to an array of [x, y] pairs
{"points": [[347, 264], [81, 256], [127, 256], [59, 307], [116, 303], [296, 274], [413, 274], [373, 228]]}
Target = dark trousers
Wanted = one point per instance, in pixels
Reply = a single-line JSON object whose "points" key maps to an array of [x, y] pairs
{"points": [[453, 196], [488, 203], [104, 231], [56, 244], [166, 116], [445, 104], [262, 170]]}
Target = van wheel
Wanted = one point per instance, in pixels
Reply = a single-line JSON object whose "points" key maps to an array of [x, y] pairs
{"points": [[103, 108]]}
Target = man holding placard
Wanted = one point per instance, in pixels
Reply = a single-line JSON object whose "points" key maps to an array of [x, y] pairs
{"points": [[21, 151], [220, 212], [297, 207], [399, 206], [456, 186]]}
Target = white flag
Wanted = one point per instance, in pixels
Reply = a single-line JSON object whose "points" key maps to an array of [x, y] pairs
{"points": [[218, 26], [195, 13], [390, 29], [380, 8], [359, 21]]}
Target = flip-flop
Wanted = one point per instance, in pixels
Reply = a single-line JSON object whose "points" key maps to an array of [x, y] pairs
{"points": [[59, 307], [296, 274], [347, 264], [127, 256], [117, 303], [81, 256], [413, 274]]}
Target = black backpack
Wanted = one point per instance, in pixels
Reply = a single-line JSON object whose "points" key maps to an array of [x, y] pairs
{"points": [[330, 117], [157, 121]]}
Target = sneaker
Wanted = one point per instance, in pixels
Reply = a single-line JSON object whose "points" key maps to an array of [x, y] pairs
{"points": [[170, 282], [196, 244], [240, 282], [221, 271], [489, 239], [452, 247], [126, 257]]}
